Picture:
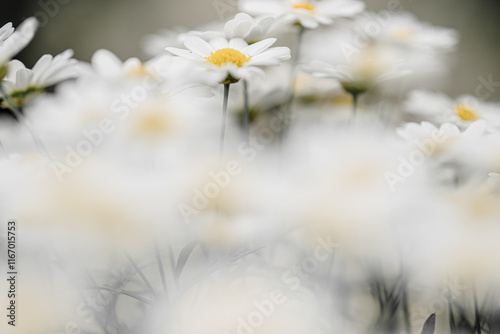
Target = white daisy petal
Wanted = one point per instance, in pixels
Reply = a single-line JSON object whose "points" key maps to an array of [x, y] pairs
{"points": [[106, 63], [259, 47], [309, 23], [271, 57], [248, 72], [476, 128], [184, 53], [341, 8], [23, 79], [238, 44], [242, 28], [260, 7], [219, 43], [6, 31], [198, 46], [254, 33]]}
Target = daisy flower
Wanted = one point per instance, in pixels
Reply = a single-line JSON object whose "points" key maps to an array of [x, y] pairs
{"points": [[308, 14], [21, 83], [11, 42], [251, 29], [462, 111], [233, 59]]}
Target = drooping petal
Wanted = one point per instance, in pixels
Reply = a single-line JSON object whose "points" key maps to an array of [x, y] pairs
{"points": [[270, 57], [184, 54], [259, 47], [198, 46]]}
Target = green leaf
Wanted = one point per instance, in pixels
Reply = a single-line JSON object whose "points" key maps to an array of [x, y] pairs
{"points": [[429, 325]]}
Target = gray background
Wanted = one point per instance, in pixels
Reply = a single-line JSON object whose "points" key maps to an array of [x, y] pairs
{"points": [[119, 25]]}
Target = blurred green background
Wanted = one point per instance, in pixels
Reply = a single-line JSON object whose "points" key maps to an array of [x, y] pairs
{"points": [[119, 25]]}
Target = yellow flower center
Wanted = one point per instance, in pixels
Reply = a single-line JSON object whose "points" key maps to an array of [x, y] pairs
{"points": [[404, 33], [138, 71], [224, 56], [304, 5], [152, 123], [465, 113]]}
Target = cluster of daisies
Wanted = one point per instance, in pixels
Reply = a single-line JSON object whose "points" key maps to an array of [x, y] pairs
{"points": [[294, 169]]}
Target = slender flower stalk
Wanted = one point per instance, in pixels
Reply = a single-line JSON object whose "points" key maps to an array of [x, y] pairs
{"points": [[223, 121], [22, 119], [477, 313], [405, 305], [287, 107], [2, 150], [355, 100], [246, 112], [451, 316]]}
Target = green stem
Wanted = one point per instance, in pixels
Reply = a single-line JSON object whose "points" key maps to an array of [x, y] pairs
{"points": [[161, 270], [406, 305], [476, 311], [223, 122], [355, 99], [451, 316], [246, 107], [287, 107], [22, 120]]}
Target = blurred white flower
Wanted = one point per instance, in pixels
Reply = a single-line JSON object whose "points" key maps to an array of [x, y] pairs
{"points": [[250, 303], [232, 59], [21, 83], [11, 42], [362, 71], [108, 66], [309, 14], [334, 176], [462, 111], [404, 29], [441, 136]]}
